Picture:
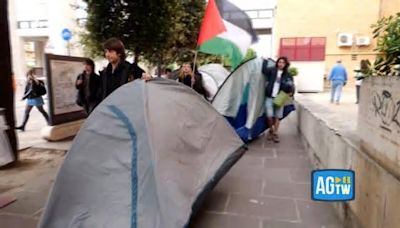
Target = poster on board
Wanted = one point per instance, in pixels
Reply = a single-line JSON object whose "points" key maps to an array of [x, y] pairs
{"points": [[62, 72]]}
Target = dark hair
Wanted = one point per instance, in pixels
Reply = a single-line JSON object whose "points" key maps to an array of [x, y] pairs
{"points": [[198, 84], [31, 72], [364, 64], [89, 62], [168, 70], [284, 58], [114, 44]]}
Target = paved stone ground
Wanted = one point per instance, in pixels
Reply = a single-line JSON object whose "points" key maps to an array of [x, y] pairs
{"points": [[30, 182], [268, 188]]}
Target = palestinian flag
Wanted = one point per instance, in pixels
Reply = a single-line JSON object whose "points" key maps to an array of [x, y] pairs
{"points": [[226, 30]]}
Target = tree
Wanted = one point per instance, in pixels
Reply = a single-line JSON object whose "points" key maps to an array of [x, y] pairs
{"points": [[6, 85], [387, 31], [156, 30]]}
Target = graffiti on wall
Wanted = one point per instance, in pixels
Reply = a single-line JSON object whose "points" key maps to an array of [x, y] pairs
{"points": [[387, 109]]}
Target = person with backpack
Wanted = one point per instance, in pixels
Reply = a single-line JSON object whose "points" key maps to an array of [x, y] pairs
{"points": [[34, 90]]}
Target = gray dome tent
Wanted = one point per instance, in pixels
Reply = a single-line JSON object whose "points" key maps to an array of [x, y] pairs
{"points": [[146, 157]]}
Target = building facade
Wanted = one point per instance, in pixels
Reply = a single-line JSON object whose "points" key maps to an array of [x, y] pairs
{"points": [[36, 28], [315, 34]]}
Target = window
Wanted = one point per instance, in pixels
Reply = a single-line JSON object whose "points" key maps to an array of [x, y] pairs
{"points": [[303, 48]]}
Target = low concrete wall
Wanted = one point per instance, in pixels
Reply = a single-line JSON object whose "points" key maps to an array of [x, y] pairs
{"points": [[379, 121], [377, 189], [62, 131]]}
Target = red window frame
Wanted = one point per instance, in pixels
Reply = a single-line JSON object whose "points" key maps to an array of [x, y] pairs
{"points": [[303, 48]]}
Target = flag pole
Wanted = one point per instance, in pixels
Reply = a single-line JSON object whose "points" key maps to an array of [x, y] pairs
{"points": [[194, 67]]}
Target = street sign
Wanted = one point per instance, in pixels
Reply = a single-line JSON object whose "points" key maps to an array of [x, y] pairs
{"points": [[66, 34]]}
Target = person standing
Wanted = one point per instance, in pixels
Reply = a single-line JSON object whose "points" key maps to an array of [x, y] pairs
{"points": [[88, 85], [277, 79], [118, 71], [34, 90], [192, 79], [186, 74], [360, 75], [338, 79], [167, 73]]}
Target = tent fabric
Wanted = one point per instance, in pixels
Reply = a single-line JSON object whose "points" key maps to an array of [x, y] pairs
{"points": [[146, 157], [241, 99], [213, 77]]}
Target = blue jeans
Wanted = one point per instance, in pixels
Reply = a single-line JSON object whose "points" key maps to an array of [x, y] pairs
{"points": [[271, 110], [336, 91]]}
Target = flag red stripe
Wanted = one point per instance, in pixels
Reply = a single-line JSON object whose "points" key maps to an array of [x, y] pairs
{"points": [[212, 23]]}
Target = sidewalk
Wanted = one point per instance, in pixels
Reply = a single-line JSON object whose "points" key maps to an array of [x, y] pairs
{"points": [[31, 137], [342, 117], [268, 188]]}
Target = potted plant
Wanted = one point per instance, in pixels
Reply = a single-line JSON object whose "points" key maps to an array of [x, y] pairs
{"points": [[293, 71]]}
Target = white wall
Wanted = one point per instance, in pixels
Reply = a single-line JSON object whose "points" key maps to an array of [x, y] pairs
{"points": [[264, 46], [16, 44], [310, 77], [59, 15]]}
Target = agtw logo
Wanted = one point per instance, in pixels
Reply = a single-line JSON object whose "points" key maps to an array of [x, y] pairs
{"points": [[333, 185]]}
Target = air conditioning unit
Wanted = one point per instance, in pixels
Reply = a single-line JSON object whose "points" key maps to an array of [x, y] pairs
{"points": [[363, 41], [345, 39]]}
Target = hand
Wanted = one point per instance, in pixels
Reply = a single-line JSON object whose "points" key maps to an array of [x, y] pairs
{"points": [[146, 77], [79, 82]]}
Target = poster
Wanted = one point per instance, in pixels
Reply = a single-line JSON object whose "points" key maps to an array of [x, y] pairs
{"points": [[64, 74], [61, 72]]}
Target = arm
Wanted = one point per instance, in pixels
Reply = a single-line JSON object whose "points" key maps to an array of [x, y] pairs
{"points": [[268, 74], [331, 74], [28, 90], [79, 82]]}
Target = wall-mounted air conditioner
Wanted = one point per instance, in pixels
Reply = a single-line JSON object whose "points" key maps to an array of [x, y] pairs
{"points": [[345, 39], [363, 41]]}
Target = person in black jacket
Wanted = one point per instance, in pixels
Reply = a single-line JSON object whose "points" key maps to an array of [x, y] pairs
{"points": [[277, 79], [88, 85], [186, 75], [118, 71], [34, 90], [192, 79]]}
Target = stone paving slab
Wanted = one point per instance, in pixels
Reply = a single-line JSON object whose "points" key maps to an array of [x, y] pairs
{"points": [[283, 173]]}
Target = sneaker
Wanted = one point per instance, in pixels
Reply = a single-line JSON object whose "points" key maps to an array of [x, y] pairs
{"points": [[276, 138]]}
